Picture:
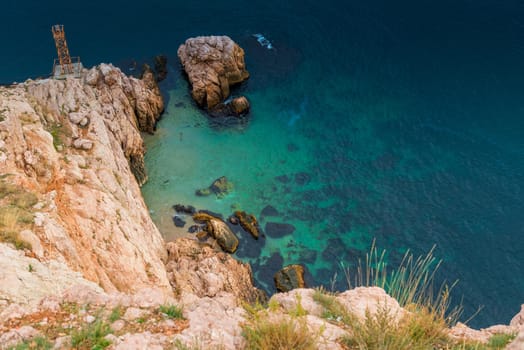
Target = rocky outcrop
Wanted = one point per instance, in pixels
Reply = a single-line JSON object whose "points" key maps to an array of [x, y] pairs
{"points": [[518, 324], [212, 64], [75, 145], [290, 277], [198, 269], [248, 222], [219, 230]]}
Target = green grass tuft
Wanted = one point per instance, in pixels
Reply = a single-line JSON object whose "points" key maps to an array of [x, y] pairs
{"points": [[91, 336], [38, 343], [116, 314], [171, 311], [499, 341]]}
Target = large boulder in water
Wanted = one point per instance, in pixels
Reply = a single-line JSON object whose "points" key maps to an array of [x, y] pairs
{"points": [[212, 64], [219, 230], [290, 277]]}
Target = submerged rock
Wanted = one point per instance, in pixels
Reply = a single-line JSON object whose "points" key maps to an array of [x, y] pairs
{"points": [[237, 107], [248, 223], [212, 64], [219, 230], [220, 187], [194, 229], [290, 277], [282, 178], [161, 67], [179, 222], [302, 178], [186, 209], [277, 230], [269, 210]]}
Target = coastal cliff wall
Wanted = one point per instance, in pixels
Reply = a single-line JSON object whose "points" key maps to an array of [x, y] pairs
{"points": [[74, 146]]}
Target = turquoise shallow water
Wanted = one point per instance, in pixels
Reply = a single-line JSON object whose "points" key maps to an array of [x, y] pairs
{"points": [[400, 121]]}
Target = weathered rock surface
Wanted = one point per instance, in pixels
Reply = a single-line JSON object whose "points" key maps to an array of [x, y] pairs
{"points": [[75, 144], [198, 269], [213, 64], [219, 230], [290, 277]]}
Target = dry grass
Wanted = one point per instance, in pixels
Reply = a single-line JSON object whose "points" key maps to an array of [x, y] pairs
{"points": [[428, 316], [290, 332], [15, 213], [284, 334]]}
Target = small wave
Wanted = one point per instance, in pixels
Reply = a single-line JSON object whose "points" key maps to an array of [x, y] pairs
{"points": [[262, 40]]}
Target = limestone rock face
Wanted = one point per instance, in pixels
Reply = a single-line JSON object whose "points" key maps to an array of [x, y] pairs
{"points": [[76, 145], [213, 64], [198, 269]]}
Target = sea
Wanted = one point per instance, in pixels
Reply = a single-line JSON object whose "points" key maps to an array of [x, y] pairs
{"points": [[394, 122]]}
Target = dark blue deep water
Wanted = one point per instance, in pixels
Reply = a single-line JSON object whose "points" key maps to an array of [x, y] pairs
{"points": [[396, 120]]}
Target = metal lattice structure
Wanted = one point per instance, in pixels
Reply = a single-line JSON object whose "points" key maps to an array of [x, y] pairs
{"points": [[66, 66]]}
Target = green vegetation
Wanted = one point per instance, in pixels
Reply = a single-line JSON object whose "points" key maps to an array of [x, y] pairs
{"points": [[116, 314], [496, 342], [38, 343], [91, 336], [171, 311], [499, 341], [56, 130]]}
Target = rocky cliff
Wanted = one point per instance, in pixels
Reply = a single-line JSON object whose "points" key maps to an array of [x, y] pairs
{"points": [[78, 249], [75, 147]]}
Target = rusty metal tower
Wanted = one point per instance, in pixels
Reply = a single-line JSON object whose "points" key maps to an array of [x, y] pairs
{"points": [[65, 66]]}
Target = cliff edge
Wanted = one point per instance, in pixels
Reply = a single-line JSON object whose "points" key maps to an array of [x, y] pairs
{"points": [[74, 148]]}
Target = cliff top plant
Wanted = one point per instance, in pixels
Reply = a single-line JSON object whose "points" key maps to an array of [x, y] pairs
{"points": [[263, 333], [91, 336], [411, 283], [38, 343], [172, 311]]}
